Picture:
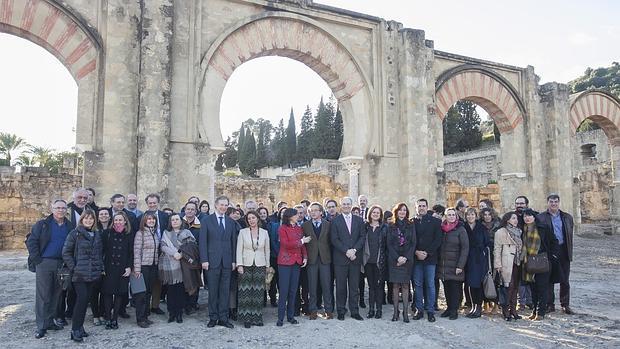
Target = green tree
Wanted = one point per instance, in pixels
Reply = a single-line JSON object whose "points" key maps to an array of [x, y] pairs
{"points": [[24, 160], [304, 140], [338, 134], [278, 145], [605, 78], [291, 140], [323, 132], [230, 155], [240, 144], [451, 135], [247, 164], [264, 129], [10, 142], [41, 156], [469, 126]]}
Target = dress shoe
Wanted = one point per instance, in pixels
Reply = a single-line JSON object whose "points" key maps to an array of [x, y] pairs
{"points": [[180, 318], [108, 325], [54, 327], [396, 315], [293, 321], [550, 308], [341, 317], [157, 311], [329, 316], [39, 334], [143, 324], [568, 311], [60, 322], [83, 332], [378, 314], [431, 317], [454, 315], [362, 303], [124, 315], [76, 336], [226, 324], [211, 323], [357, 317], [279, 323], [313, 315], [371, 313], [171, 318], [405, 316], [418, 315], [446, 313]]}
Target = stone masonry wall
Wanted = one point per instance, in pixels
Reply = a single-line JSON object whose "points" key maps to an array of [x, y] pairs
{"points": [[25, 197]]}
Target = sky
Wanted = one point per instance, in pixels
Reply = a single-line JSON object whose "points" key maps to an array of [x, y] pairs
{"points": [[559, 38]]}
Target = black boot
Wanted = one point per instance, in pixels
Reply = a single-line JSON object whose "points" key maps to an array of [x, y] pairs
{"points": [[180, 318], [378, 314], [371, 312], [506, 313]]}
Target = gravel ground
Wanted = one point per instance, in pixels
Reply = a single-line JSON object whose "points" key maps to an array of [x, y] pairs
{"points": [[594, 278]]}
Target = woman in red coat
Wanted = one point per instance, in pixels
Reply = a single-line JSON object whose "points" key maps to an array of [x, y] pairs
{"points": [[291, 258]]}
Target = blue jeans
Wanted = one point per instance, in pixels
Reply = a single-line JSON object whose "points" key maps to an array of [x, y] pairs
{"points": [[424, 281]]}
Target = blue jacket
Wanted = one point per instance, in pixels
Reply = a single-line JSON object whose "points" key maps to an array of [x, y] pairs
{"points": [[39, 237], [217, 248]]}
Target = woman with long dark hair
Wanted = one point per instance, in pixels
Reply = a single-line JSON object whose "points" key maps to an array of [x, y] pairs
{"points": [[292, 257], [507, 262], [117, 261], [452, 260], [83, 255], [374, 259], [400, 242]]}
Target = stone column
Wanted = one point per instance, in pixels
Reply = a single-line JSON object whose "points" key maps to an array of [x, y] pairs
{"points": [[155, 36], [614, 205], [353, 165]]}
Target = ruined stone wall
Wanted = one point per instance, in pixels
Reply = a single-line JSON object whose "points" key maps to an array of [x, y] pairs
{"points": [[455, 191], [25, 197], [594, 193], [314, 187]]}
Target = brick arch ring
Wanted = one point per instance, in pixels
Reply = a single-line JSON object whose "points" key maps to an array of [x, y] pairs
{"points": [[483, 87], [292, 36], [600, 106]]}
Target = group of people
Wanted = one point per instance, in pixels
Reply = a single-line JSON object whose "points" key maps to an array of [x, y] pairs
{"points": [[112, 256]]}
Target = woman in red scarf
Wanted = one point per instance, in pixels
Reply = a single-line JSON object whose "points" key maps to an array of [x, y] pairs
{"points": [[452, 259]]}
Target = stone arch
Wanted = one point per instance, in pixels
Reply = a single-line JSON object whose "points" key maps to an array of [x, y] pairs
{"points": [[299, 38], [483, 87], [66, 35], [600, 106]]}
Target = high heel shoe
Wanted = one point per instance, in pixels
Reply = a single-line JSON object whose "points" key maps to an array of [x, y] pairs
{"points": [[505, 313], [405, 316], [76, 336], [396, 315]]}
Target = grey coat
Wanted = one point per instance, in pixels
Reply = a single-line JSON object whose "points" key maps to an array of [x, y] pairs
{"points": [[453, 254]]}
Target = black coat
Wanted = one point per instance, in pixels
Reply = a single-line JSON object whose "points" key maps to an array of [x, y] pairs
{"points": [[478, 257], [382, 230], [453, 254], [39, 237], [83, 255], [342, 240], [400, 273], [117, 255], [428, 237], [544, 219], [133, 220]]}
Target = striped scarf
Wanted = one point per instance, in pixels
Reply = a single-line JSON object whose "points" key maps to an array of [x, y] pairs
{"points": [[531, 247]]}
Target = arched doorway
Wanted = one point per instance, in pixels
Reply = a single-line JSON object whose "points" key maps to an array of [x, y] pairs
{"points": [[500, 100], [603, 109], [70, 39], [302, 39]]}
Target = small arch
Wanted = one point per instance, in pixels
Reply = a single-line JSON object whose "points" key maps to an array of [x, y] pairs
{"points": [[483, 87], [601, 107]]}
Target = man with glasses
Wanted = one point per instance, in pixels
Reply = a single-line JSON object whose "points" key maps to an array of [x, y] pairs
{"points": [[75, 208], [332, 209], [45, 244]]}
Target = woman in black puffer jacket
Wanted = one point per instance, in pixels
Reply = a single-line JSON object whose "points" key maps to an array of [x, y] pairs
{"points": [[83, 255]]}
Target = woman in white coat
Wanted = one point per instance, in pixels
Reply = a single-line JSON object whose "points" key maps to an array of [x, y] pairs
{"points": [[252, 264], [507, 262]]}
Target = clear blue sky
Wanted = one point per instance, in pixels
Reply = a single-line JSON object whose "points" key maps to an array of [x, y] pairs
{"points": [[559, 38]]}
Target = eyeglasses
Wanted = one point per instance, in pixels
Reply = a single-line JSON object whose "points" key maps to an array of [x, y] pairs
{"points": [[59, 208]]}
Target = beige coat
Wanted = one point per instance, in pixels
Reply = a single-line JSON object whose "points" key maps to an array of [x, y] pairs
{"points": [[246, 255], [504, 251]]}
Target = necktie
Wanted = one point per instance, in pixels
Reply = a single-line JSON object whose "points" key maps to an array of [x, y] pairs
{"points": [[316, 225], [348, 220], [221, 223]]}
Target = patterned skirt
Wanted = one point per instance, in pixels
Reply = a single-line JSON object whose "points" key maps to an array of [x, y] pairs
{"points": [[251, 294]]}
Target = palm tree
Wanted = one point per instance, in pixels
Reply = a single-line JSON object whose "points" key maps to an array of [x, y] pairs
{"points": [[41, 155], [10, 142], [24, 160]]}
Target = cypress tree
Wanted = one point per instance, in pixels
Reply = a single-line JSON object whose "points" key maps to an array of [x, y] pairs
{"points": [[291, 140], [322, 135], [338, 134], [304, 140], [469, 126]]}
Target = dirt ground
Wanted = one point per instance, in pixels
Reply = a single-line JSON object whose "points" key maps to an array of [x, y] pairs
{"points": [[595, 282]]}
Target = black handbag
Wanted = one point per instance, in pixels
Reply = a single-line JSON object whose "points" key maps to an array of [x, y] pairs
{"points": [[537, 264]]}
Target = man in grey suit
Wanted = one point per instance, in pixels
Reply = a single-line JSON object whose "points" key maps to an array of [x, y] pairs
{"points": [[218, 245], [347, 236], [319, 261]]}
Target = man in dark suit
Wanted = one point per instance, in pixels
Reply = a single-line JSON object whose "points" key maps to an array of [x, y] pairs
{"points": [[218, 245], [117, 203], [152, 203], [347, 236], [319, 261]]}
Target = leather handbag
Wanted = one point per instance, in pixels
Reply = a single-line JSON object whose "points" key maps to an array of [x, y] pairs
{"points": [[539, 263], [488, 283]]}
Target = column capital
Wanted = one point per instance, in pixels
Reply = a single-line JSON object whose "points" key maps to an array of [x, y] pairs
{"points": [[352, 163]]}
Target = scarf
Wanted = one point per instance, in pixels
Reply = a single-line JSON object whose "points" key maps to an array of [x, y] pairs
{"points": [[515, 234], [195, 223], [531, 246], [400, 227], [118, 227], [169, 268], [448, 227]]}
